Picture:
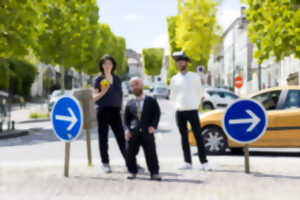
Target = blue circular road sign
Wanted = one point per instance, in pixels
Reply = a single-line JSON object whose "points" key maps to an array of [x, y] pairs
{"points": [[245, 121], [67, 118]]}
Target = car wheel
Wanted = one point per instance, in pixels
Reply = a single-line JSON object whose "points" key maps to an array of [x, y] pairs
{"points": [[208, 106], [214, 140]]}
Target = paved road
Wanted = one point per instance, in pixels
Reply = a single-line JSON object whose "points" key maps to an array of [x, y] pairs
{"points": [[31, 167]]}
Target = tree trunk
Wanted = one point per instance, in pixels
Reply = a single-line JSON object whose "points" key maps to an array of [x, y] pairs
{"points": [[81, 79], [62, 79]]}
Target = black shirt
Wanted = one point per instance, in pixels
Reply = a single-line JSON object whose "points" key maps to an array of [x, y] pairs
{"points": [[113, 97]]}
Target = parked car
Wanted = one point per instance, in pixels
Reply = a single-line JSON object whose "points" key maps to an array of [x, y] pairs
{"points": [[282, 105], [125, 90], [217, 98], [126, 84], [160, 92], [55, 95]]}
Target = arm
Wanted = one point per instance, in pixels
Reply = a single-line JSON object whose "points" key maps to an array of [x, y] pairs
{"points": [[156, 114], [127, 123], [99, 92]]}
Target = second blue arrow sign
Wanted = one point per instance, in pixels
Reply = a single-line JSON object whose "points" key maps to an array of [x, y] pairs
{"points": [[245, 121]]}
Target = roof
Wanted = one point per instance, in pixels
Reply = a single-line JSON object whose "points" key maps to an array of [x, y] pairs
{"points": [[132, 61], [286, 87]]}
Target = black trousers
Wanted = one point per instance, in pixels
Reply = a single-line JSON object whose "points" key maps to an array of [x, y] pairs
{"points": [[147, 141], [182, 117], [110, 117]]}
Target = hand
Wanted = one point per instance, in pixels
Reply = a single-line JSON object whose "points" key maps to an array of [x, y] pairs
{"points": [[105, 89], [151, 130], [127, 135]]}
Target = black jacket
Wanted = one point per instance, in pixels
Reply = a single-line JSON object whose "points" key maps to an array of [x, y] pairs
{"points": [[149, 117]]}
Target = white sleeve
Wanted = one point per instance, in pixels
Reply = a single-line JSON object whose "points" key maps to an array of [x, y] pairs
{"points": [[198, 87]]}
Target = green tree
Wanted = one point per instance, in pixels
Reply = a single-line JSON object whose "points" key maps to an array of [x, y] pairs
{"points": [[87, 38], [152, 61], [171, 22], [20, 25], [58, 42], [274, 27], [172, 70], [4, 69], [113, 45], [197, 29], [21, 76]]}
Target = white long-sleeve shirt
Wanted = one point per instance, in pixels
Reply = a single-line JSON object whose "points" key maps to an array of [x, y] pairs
{"points": [[186, 91]]}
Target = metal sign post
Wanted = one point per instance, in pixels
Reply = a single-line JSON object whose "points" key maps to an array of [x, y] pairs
{"points": [[245, 121], [66, 118]]}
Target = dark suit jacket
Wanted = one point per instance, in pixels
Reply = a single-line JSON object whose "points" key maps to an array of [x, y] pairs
{"points": [[149, 117]]}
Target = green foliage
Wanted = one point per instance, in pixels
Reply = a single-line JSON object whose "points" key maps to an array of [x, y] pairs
{"points": [[153, 60], [113, 45], [18, 75], [35, 115], [197, 29], [274, 27], [172, 70], [19, 27], [47, 84], [4, 80], [22, 76]]}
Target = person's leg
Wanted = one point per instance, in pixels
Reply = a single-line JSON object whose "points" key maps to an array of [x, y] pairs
{"points": [[182, 126], [195, 123], [133, 147], [148, 143], [117, 127], [103, 136]]}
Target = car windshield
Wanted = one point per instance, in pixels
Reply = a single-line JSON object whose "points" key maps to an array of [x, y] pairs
{"points": [[269, 100], [56, 93], [293, 99], [160, 90]]}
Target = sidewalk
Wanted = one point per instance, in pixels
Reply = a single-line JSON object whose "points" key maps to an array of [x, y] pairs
{"points": [[38, 180]]}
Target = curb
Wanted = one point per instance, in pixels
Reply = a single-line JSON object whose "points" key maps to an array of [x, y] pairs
{"points": [[13, 134], [33, 121]]}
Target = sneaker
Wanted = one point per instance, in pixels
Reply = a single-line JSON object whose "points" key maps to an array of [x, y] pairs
{"points": [[186, 166], [140, 169], [155, 177], [106, 168], [206, 167], [131, 176]]}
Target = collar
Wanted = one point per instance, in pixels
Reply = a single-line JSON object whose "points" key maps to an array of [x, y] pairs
{"points": [[185, 73], [142, 98]]}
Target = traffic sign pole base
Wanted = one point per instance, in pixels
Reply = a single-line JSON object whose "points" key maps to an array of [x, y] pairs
{"points": [[246, 156]]}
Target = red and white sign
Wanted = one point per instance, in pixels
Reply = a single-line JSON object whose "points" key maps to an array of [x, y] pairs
{"points": [[238, 82]]}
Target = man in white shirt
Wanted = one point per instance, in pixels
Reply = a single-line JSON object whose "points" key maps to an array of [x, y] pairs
{"points": [[186, 92]]}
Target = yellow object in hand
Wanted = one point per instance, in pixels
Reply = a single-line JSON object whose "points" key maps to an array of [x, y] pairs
{"points": [[104, 83]]}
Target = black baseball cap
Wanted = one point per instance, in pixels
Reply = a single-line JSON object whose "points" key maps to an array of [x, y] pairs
{"points": [[180, 55]]}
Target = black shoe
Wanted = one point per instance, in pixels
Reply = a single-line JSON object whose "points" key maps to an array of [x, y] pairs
{"points": [[131, 176], [156, 177]]}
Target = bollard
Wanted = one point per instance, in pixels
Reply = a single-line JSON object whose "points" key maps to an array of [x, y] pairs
{"points": [[1, 130], [13, 125]]}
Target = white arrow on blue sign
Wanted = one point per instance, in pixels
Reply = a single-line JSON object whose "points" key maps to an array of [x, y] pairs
{"points": [[67, 119], [245, 121]]}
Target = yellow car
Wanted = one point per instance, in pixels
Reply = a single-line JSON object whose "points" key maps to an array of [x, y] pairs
{"points": [[282, 105]]}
